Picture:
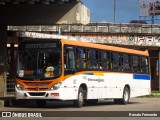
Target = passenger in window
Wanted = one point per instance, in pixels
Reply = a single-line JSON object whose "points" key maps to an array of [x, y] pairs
{"points": [[80, 63], [100, 66], [125, 67], [84, 64], [77, 63]]}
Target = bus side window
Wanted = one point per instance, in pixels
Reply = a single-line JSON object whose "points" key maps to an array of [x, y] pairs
{"points": [[69, 59], [144, 65], [81, 58], [115, 61], [135, 63], [125, 63], [104, 60], [92, 60]]}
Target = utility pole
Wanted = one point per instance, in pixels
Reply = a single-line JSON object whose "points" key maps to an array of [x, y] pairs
{"points": [[114, 11], [153, 19]]}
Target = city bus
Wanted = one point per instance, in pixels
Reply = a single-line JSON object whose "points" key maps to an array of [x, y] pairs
{"points": [[67, 70]]}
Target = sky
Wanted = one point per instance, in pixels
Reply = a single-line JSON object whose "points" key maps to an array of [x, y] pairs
{"points": [[126, 10]]}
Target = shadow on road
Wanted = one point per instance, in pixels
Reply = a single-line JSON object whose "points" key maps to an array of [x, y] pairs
{"points": [[57, 104]]}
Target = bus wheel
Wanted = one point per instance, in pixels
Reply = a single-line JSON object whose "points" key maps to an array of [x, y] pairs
{"points": [[125, 99], [41, 103], [126, 96], [79, 102]]}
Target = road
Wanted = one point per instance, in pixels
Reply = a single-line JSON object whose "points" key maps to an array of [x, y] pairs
{"points": [[102, 107]]}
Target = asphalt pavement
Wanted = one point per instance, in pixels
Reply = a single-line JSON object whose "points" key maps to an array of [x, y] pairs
{"points": [[137, 109]]}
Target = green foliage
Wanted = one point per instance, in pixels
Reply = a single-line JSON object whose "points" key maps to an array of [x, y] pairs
{"points": [[154, 94]]}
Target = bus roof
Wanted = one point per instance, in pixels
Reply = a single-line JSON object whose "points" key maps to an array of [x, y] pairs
{"points": [[104, 47]]}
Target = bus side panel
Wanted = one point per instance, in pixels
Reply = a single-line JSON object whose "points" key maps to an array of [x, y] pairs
{"points": [[108, 85], [71, 86], [146, 90], [93, 86], [141, 85], [121, 81], [110, 81]]}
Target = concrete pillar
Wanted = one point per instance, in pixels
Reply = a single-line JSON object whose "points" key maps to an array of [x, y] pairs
{"points": [[3, 57], [159, 66], [12, 66]]}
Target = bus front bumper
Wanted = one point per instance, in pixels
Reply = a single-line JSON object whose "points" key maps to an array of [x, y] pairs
{"points": [[52, 95]]}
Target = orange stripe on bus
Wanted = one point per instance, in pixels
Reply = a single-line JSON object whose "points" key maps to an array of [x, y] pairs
{"points": [[104, 47]]}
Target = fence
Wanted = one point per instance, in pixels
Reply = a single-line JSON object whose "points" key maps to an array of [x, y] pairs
{"points": [[92, 27]]}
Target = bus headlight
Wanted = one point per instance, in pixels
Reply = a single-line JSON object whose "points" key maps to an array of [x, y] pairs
{"points": [[19, 87], [56, 86]]}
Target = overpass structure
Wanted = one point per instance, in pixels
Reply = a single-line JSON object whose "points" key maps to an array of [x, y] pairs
{"points": [[106, 33]]}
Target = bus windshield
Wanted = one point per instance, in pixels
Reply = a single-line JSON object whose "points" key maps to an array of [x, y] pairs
{"points": [[39, 61]]}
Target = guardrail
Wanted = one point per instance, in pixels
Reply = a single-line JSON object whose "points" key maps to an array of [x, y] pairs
{"points": [[10, 86], [92, 28]]}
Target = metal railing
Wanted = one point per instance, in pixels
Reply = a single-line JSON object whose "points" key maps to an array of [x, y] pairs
{"points": [[10, 86], [92, 28]]}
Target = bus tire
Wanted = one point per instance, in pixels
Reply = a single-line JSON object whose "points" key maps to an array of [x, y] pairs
{"points": [[125, 99], [80, 101], [126, 96], [41, 103]]}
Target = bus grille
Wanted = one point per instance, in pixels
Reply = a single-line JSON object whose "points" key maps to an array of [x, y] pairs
{"points": [[35, 89], [36, 94]]}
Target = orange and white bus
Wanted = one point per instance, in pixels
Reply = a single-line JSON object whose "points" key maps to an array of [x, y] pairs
{"points": [[59, 69]]}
